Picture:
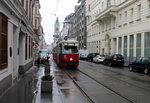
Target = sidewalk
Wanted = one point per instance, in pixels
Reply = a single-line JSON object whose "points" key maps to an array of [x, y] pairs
{"points": [[28, 89], [22, 90], [53, 97]]}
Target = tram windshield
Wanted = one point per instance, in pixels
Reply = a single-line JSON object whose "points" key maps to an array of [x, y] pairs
{"points": [[70, 49]]}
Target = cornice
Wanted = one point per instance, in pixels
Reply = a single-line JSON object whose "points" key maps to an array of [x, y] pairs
{"points": [[126, 3], [12, 9]]}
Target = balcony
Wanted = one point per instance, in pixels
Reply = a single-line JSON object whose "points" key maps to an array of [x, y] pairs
{"points": [[107, 13], [37, 32], [113, 9]]}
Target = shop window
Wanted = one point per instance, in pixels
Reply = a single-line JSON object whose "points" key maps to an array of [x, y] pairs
{"points": [[131, 47], [125, 48], [120, 45], [138, 45], [147, 44]]}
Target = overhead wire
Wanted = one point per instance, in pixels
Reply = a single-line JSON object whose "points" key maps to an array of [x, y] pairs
{"points": [[55, 13]]}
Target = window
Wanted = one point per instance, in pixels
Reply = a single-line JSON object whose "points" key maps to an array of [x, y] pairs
{"points": [[29, 46], [108, 3], [3, 41], [131, 48], [70, 49], [27, 7], [138, 45], [119, 1], [131, 15], [114, 22], [36, 23], [148, 7], [120, 45], [125, 48], [22, 3], [125, 16], [89, 9], [147, 44], [30, 9], [139, 11], [120, 18], [102, 5], [26, 47]]}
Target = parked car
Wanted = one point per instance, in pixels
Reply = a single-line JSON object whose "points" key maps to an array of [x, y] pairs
{"points": [[99, 58], [115, 59], [83, 53], [44, 56], [91, 56], [142, 64]]}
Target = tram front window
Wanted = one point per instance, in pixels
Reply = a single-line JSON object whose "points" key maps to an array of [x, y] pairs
{"points": [[70, 49]]}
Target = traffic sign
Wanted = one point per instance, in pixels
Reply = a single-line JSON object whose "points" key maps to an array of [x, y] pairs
{"points": [[35, 46]]}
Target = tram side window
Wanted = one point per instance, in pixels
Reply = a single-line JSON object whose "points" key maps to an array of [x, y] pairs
{"points": [[70, 49]]}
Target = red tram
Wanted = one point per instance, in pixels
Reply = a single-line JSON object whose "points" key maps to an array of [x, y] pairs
{"points": [[65, 53]]}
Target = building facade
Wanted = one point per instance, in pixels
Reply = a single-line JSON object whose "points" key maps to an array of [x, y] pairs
{"points": [[78, 24], [68, 27], [119, 26], [17, 36]]}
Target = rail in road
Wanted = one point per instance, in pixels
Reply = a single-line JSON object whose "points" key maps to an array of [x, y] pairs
{"points": [[133, 86], [103, 84], [94, 90]]}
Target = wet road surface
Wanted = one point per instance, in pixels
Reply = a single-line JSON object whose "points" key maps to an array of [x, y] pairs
{"points": [[69, 92], [97, 83], [131, 85]]}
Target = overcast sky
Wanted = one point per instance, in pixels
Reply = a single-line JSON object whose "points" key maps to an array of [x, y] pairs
{"points": [[48, 8]]}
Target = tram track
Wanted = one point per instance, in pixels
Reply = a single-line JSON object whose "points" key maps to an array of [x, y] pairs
{"points": [[127, 76], [82, 91], [85, 94]]}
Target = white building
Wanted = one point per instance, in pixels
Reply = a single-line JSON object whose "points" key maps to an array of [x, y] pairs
{"points": [[16, 39], [119, 26]]}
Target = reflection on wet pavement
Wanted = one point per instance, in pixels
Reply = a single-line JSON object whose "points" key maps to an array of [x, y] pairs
{"points": [[69, 92], [46, 98]]}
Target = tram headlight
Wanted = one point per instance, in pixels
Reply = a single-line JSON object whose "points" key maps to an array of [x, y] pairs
{"points": [[71, 59]]}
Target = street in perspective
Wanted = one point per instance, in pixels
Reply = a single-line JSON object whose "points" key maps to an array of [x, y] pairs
{"points": [[75, 51]]}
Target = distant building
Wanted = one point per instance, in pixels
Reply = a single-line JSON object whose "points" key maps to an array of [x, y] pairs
{"points": [[67, 28], [74, 25], [80, 24]]}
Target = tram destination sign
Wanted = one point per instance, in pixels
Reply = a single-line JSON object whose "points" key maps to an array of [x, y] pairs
{"points": [[56, 36]]}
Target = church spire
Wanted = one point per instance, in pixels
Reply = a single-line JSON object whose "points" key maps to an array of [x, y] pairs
{"points": [[57, 21]]}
